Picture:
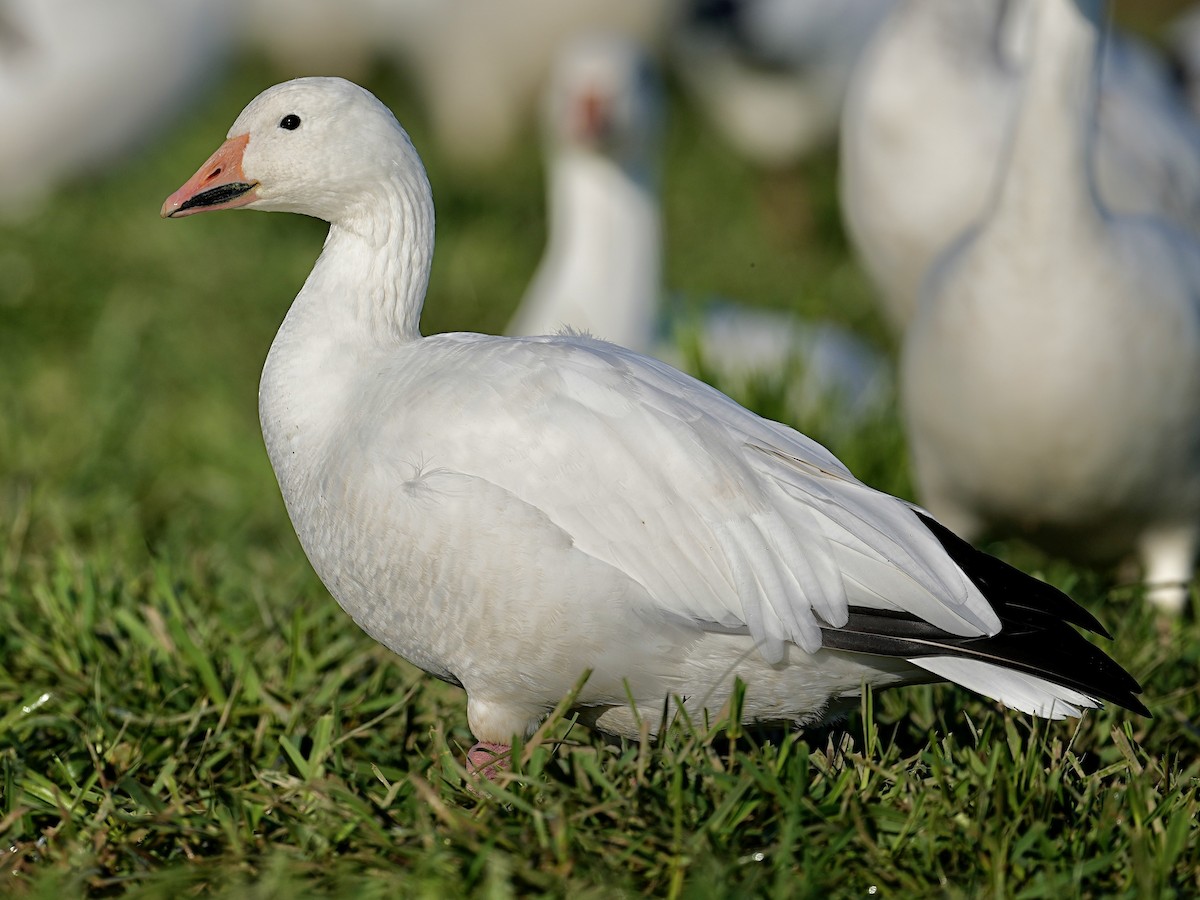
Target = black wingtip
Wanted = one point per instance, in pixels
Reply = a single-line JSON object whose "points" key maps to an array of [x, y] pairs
{"points": [[1009, 586], [1035, 637], [1133, 704]]}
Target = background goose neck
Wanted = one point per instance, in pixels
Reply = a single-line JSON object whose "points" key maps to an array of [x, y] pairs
{"points": [[1047, 176]]}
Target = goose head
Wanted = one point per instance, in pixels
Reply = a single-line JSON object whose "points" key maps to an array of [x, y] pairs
{"points": [[603, 97], [316, 146]]}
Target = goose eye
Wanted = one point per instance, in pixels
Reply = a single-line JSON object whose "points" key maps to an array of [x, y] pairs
{"points": [[291, 122]]}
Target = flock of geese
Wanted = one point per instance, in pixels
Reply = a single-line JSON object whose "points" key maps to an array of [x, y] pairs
{"points": [[510, 513]]}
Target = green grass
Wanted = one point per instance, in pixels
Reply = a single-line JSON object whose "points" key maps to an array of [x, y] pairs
{"points": [[184, 709]]}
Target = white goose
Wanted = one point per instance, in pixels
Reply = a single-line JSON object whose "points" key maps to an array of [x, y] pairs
{"points": [[927, 118], [1052, 374], [601, 272], [508, 513]]}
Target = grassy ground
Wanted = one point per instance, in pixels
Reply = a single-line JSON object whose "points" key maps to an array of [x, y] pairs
{"points": [[184, 709]]}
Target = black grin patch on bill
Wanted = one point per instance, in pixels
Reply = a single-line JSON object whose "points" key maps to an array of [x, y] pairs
{"points": [[216, 196]]}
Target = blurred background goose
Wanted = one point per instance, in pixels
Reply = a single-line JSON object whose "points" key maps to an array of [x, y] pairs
{"points": [[602, 269], [926, 122], [1051, 376], [82, 83], [771, 75]]}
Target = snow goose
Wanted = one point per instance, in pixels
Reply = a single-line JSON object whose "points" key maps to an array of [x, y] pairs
{"points": [[480, 82], [508, 513], [1051, 376], [601, 272], [926, 121]]}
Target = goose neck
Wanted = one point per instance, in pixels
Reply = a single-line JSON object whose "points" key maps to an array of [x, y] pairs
{"points": [[588, 192], [1047, 176], [602, 263], [360, 304], [374, 268]]}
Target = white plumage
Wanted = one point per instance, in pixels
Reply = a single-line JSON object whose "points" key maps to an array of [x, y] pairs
{"points": [[1052, 373], [506, 513]]}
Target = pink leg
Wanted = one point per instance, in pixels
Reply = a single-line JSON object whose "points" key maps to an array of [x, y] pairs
{"points": [[481, 759]]}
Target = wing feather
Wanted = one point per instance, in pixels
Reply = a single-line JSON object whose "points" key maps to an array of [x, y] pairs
{"points": [[726, 519]]}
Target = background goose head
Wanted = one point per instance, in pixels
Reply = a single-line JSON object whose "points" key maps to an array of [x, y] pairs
{"points": [[604, 97]]}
